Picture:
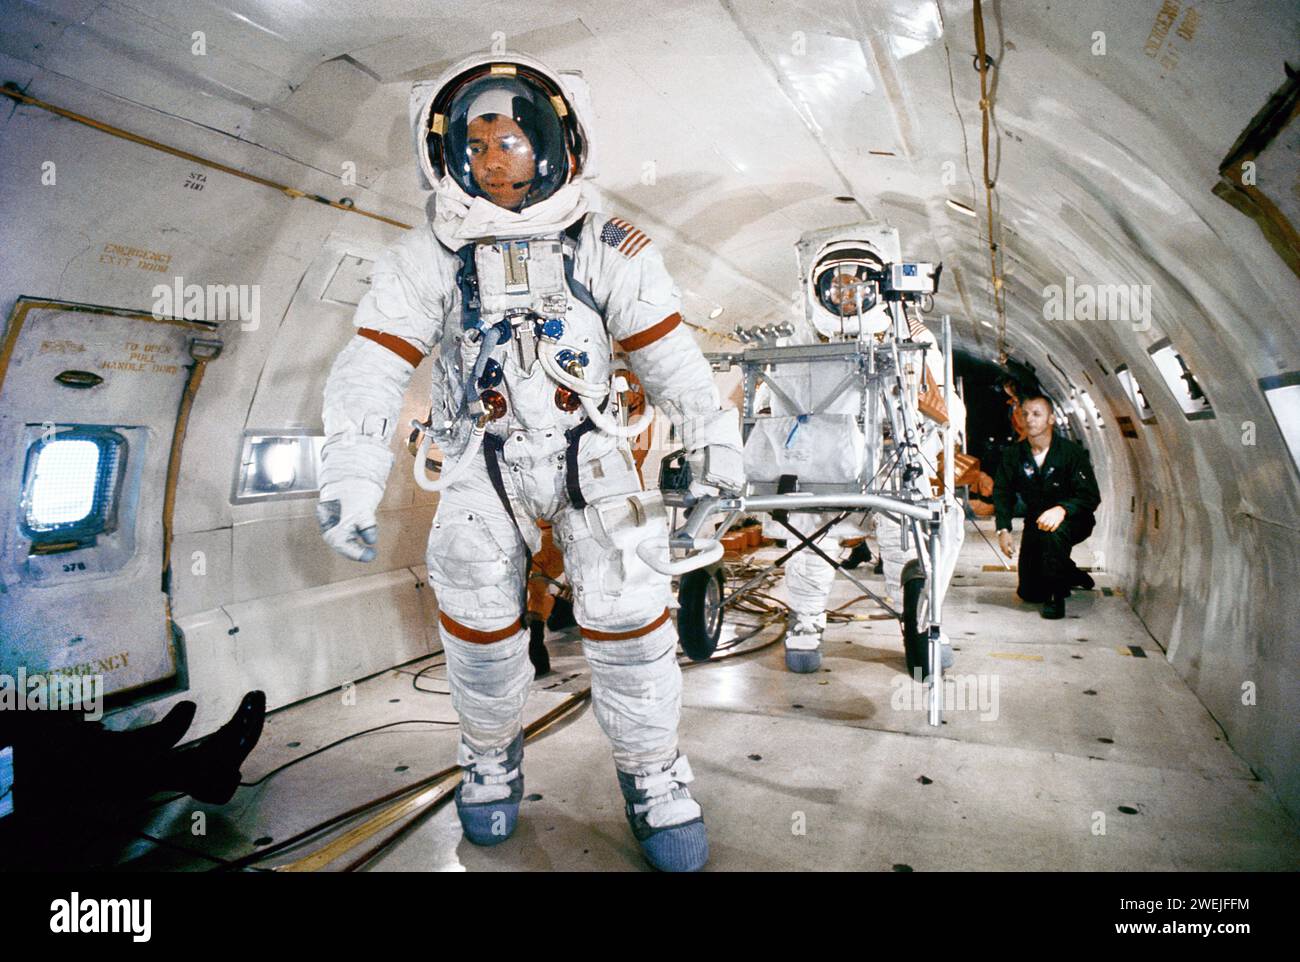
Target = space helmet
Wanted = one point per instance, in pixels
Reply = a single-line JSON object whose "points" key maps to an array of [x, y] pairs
{"points": [[503, 127], [840, 270]]}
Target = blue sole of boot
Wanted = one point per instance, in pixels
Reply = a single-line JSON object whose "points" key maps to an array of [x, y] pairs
{"points": [[802, 662], [680, 848], [489, 823]]}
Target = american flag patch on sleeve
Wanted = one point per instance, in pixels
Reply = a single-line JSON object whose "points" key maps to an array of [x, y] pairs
{"points": [[623, 237]]}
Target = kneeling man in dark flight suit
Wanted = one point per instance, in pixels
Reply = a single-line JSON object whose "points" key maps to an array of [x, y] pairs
{"points": [[1054, 477]]}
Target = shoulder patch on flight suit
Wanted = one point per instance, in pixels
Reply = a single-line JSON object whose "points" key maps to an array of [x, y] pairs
{"points": [[624, 237]]}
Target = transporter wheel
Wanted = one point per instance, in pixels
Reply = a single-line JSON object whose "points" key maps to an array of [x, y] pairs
{"points": [[699, 619], [916, 619]]}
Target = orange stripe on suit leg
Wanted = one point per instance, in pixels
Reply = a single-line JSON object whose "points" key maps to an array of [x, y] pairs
{"points": [[466, 633], [591, 634]]}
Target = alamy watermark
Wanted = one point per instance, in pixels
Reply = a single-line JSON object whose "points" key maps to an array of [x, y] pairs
{"points": [[1098, 302], [209, 302], [75, 915], [53, 692], [977, 692]]}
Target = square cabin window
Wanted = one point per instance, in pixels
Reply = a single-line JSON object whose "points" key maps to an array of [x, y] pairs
{"points": [[70, 487], [1282, 391], [1180, 380], [1133, 390], [1087, 404], [278, 466]]}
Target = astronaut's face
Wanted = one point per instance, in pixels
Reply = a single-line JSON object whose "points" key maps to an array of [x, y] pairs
{"points": [[845, 293], [501, 159]]}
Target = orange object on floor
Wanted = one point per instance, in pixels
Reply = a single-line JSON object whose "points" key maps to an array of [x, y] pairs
{"points": [[550, 563], [983, 486]]}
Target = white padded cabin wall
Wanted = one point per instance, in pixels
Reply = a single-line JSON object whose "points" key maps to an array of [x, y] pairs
{"points": [[117, 205]]}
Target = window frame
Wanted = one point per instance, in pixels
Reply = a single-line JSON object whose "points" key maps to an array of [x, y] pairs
{"points": [[1165, 344], [114, 450], [1132, 387], [306, 484], [1277, 382]]}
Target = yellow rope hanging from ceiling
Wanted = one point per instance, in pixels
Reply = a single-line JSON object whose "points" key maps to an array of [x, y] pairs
{"points": [[986, 107]]}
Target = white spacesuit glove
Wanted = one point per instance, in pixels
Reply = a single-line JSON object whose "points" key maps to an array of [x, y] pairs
{"points": [[717, 469], [346, 513], [715, 453]]}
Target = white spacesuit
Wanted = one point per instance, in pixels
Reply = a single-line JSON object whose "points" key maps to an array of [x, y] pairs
{"points": [[814, 431], [522, 293]]}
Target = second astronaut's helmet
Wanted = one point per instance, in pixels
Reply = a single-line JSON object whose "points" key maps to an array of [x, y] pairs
{"points": [[504, 131], [840, 272], [847, 283], [846, 286]]}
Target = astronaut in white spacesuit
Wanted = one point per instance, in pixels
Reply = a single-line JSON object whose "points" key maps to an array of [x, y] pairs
{"points": [[814, 432], [522, 293]]}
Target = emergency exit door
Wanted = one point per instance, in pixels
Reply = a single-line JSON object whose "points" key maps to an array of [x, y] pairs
{"points": [[93, 405]]}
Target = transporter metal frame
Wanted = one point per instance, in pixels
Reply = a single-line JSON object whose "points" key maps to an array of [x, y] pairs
{"points": [[886, 488]]}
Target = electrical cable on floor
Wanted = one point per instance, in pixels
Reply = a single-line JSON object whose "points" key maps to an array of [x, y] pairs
{"points": [[276, 771], [224, 863], [762, 604], [424, 808], [415, 682], [427, 808], [420, 808], [405, 793], [726, 651], [312, 831], [422, 814], [346, 738], [838, 616], [424, 721]]}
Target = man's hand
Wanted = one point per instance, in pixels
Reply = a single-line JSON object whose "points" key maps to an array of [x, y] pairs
{"points": [[346, 514], [1051, 519], [1006, 543]]}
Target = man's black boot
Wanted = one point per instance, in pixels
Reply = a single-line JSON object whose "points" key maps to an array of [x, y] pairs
{"points": [[561, 618], [160, 735], [537, 652], [209, 771], [860, 554], [1054, 607]]}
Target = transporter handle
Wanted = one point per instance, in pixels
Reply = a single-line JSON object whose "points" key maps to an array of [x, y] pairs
{"points": [[657, 553]]}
